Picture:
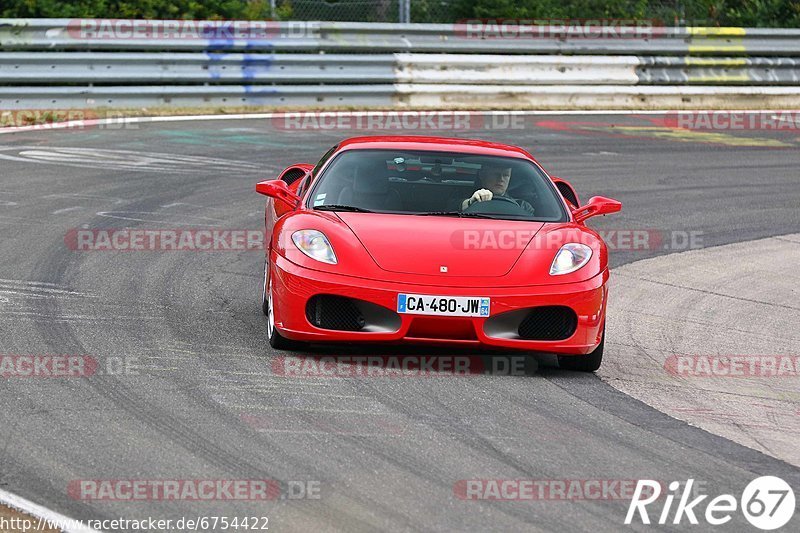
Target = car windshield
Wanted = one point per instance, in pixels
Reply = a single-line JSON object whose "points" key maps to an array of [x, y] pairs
{"points": [[437, 184]]}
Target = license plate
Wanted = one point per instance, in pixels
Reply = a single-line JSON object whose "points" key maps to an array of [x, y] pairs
{"points": [[420, 304]]}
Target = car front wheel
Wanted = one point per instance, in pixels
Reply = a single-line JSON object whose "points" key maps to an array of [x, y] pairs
{"points": [[584, 363], [276, 340]]}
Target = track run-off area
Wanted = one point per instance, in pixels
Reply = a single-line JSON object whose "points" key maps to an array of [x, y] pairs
{"points": [[184, 386]]}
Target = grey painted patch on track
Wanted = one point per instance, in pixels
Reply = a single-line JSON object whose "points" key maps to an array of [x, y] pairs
{"points": [[711, 337]]}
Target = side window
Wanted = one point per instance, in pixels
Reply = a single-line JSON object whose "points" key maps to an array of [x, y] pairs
{"points": [[322, 161]]}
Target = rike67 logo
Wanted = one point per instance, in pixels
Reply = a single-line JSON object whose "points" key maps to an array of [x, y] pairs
{"points": [[767, 502]]}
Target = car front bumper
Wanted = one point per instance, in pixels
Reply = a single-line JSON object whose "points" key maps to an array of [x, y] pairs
{"points": [[294, 285]]}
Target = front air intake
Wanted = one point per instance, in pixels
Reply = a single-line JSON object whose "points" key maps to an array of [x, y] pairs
{"points": [[548, 323], [326, 311]]}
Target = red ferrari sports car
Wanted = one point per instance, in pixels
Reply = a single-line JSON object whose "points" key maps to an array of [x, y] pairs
{"points": [[434, 240]]}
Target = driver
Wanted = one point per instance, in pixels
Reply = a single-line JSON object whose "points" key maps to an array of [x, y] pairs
{"points": [[494, 180]]}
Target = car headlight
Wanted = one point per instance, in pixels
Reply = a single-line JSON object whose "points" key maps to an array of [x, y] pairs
{"points": [[315, 245], [570, 258]]}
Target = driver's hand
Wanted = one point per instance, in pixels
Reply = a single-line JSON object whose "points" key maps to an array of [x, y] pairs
{"points": [[481, 195]]}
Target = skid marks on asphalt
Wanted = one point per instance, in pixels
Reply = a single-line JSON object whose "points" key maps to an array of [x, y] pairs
{"points": [[14, 291], [274, 405], [126, 160], [17, 297]]}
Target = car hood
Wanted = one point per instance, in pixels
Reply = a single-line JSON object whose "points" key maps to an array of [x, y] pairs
{"points": [[449, 246]]}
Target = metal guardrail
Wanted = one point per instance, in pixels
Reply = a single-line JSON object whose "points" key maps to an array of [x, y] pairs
{"points": [[129, 68], [66, 34], [719, 71], [58, 64], [428, 96], [150, 96], [593, 70], [185, 68]]}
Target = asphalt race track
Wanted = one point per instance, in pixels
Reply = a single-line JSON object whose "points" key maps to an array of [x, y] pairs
{"points": [[185, 389], [747, 312]]}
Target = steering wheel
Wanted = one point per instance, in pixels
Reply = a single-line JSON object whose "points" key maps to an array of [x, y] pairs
{"points": [[498, 205], [504, 199]]}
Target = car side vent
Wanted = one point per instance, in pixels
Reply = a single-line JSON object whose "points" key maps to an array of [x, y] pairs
{"points": [[567, 192], [548, 323], [334, 312], [292, 175]]}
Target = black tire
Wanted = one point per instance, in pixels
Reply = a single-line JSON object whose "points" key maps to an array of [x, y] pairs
{"points": [[276, 340], [279, 342], [264, 304], [584, 363]]}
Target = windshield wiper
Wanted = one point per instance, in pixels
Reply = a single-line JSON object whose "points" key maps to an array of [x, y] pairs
{"points": [[341, 207], [459, 214]]}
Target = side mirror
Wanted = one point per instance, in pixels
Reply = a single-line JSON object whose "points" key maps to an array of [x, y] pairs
{"points": [[598, 205], [567, 191], [278, 190]]}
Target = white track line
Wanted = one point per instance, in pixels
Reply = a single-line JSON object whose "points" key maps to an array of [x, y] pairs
{"points": [[46, 516], [250, 116]]}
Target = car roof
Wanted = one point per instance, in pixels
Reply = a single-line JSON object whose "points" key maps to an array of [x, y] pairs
{"points": [[433, 144]]}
